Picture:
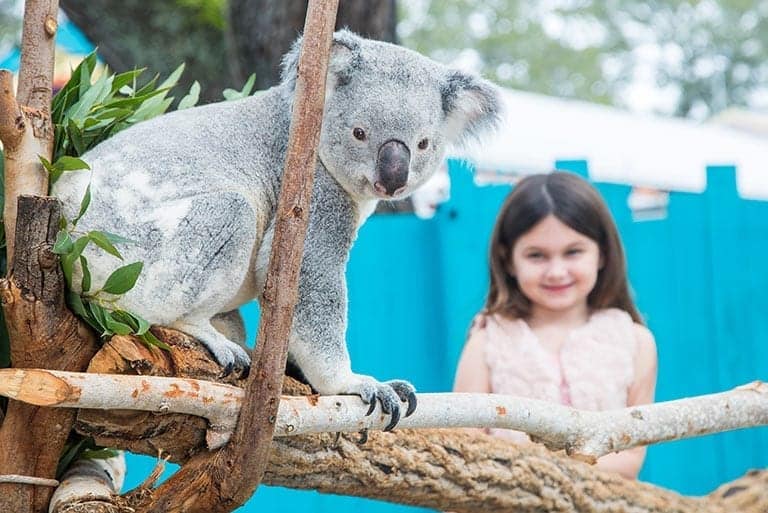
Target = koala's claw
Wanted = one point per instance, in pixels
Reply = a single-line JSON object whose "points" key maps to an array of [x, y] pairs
{"points": [[227, 369], [390, 395], [363, 437], [406, 393]]}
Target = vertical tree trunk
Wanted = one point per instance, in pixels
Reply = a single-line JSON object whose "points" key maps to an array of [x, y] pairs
{"points": [[44, 334], [263, 30], [25, 125]]}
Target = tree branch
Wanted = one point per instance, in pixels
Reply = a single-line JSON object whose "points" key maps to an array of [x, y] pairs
{"points": [[586, 435]]}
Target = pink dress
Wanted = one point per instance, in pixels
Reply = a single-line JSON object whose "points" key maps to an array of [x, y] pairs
{"points": [[593, 371]]}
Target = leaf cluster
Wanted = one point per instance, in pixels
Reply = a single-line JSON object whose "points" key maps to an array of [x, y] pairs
{"points": [[97, 307], [86, 112]]}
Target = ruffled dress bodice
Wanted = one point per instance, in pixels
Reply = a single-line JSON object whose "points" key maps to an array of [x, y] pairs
{"points": [[593, 370]]}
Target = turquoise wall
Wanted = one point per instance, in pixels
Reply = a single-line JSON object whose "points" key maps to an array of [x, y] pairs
{"points": [[699, 276]]}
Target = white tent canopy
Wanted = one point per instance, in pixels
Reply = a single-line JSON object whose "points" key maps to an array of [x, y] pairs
{"points": [[619, 146]]}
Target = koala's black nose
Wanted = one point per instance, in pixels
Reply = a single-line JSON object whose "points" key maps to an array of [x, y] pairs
{"points": [[392, 165]]}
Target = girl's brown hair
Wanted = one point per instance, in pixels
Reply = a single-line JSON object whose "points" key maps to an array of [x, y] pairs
{"points": [[576, 204]]}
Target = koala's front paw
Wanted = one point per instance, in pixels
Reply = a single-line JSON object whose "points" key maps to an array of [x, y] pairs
{"points": [[391, 394]]}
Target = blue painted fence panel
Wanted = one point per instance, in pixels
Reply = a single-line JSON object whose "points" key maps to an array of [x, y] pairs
{"points": [[699, 277]]}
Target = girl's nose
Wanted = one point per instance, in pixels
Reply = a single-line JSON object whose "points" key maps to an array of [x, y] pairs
{"points": [[557, 269]]}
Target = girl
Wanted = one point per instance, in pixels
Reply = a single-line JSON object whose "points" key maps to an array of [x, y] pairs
{"points": [[559, 324]]}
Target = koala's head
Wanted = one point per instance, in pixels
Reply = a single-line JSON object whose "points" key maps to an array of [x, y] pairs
{"points": [[390, 113]]}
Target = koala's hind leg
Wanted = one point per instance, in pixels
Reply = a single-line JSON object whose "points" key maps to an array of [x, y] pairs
{"points": [[208, 260], [232, 356], [231, 325]]}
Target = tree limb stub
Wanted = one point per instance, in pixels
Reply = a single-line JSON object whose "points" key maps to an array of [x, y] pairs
{"points": [[586, 435], [225, 480], [43, 334], [30, 135]]}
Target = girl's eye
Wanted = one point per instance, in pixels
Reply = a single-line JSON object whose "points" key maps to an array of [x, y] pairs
{"points": [[574, 251], [423, 144], [535, 256], [359, 134]]}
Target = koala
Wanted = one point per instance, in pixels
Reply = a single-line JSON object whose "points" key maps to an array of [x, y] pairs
{"points": [[197, 190]]}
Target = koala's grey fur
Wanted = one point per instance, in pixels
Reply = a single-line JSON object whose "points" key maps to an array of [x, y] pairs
{"points": [[198, 190]]}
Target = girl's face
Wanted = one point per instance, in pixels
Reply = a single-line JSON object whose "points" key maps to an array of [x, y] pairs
{"points": [[556, 267]]}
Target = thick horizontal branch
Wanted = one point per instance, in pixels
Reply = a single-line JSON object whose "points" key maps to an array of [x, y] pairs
{"points": [[456, 471], [218, 403], [583, 434]]}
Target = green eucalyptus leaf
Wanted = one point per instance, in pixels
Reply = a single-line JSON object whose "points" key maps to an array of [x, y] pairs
{"points": [[75, 302], [234, 94], [114, 325], [99, 454], [63, 243], [173, 78], [47, 165], [191, 99], [151, 340], [125, 79], [99, 316], [75, 136], [126, 318], [86, 201], [102, 241], [118, 239], [68, 260], [143, 324], [67, 163], [86, 283], [123, 279]]}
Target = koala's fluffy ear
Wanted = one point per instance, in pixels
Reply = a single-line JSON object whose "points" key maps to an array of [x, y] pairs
{"points": [[344, 53], [470, 104]]}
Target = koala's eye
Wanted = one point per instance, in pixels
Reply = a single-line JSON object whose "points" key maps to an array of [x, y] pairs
{"points": [[359, 134], [423, 144]]}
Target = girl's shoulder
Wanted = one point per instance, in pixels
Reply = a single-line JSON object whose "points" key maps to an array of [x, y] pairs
{"points": [[619, 321], [494, 323]]}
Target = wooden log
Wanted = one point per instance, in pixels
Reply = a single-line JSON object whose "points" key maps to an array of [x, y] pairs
{"points": [[44, 334]]}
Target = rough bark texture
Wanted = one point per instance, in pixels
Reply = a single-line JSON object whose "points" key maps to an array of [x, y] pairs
{"points": [[263, 30], [44, 334], [178, 436], [25, 126], [441, 469], [224, 480]]}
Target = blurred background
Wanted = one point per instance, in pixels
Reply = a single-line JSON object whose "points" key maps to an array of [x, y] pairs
{"points": [[662, 104]]}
